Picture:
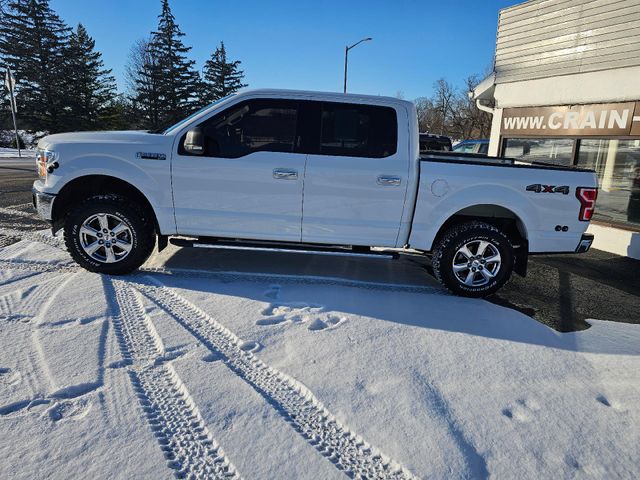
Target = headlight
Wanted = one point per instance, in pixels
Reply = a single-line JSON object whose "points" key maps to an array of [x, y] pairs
{"points": [[44, 158]]}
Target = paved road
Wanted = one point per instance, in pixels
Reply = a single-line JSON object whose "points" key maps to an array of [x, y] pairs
{"points": [[560, 290], [16, 177]]}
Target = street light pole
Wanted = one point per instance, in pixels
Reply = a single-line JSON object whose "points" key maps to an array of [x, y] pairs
{"points": [[10, 83], [346, 58]]}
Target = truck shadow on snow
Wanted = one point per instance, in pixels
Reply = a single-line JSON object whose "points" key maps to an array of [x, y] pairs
{"points": [[402, 292]]}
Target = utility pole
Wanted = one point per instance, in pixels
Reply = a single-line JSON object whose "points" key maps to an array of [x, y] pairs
{"points": [[346, 58], [10, 83]]}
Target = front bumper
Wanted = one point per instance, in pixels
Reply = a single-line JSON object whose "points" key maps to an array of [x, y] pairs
{"points": [[585, 243], [43, 203]]}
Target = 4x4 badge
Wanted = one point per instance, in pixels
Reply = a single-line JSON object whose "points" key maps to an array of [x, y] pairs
{"points": [[539, 188]]}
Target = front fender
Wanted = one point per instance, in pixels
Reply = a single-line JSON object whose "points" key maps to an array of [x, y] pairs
{"points": [[151, 177]]}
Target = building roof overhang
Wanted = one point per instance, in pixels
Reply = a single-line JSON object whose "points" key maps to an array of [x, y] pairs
{"points": [[484, 90]]}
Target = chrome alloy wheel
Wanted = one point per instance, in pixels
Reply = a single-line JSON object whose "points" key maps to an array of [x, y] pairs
{"points": [[476, 263], [105, 238]]}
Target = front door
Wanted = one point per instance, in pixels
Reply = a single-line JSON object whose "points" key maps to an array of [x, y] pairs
{"points": [[248, 182]]}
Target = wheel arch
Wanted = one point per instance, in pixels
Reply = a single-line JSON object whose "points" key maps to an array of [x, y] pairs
{"points": [[83, 187], [492, 214], [504, 219]]}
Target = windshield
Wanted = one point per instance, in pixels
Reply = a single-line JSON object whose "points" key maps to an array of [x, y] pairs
{"points": [[464, 147], [175, 127]]}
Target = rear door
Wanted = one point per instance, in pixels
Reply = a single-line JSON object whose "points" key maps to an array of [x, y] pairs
{"points": [[248, 183], [356, 173]]}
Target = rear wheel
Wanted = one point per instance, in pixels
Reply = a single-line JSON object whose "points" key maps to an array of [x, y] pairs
{"points": [[105, 234], [473, 259]]}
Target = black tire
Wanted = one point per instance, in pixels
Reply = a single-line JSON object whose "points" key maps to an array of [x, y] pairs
{"points": [[141, 238], [447, 249]]}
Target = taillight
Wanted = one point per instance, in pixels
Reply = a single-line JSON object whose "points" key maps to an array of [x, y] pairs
{"points": [[587, 197]]}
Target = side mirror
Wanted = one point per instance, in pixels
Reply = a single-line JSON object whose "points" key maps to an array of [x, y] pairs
{"points": [[194, 141]]}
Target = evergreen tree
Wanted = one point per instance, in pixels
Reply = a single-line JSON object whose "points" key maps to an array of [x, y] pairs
{"points": [[33, 42], [221, 77], [92, 89], [167, 86], [115, 115]]}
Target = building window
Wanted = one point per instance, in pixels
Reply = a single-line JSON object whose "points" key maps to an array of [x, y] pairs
{"points": [[617, 164], [558, 151]]}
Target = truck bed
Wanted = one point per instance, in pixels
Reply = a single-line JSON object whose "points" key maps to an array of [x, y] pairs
{"points": [[479, 159], [541, 197]]}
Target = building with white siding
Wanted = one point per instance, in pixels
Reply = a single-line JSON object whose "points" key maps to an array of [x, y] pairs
{"points": [[566, 89]]}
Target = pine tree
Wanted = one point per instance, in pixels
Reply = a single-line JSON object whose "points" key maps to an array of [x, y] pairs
{"points": [[92, 89], [221, 77], [168, 84], [33, 41], [115, 116]]}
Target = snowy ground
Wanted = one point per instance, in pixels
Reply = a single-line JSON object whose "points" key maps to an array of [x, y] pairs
{"points": [[204, 373]]}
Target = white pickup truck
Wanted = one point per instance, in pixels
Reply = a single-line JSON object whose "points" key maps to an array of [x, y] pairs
{"points": [[320, 171]]}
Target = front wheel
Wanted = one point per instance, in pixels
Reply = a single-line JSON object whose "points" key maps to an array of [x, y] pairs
{"points": [[473, 259], [105, 234]]}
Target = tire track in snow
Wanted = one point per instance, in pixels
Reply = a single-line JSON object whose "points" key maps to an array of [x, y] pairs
{"points": [[37, 266], [345, 449], [16, 280], [18, 213], [34, 305], [34, 236], [48, 300], [23, 300], [171, 413], [7, 241], [7, 253]]}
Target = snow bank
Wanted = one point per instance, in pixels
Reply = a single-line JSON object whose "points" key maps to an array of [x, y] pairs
{"points": [[29, 138]]}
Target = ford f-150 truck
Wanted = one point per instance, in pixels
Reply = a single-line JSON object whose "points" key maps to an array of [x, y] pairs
{"points": [[322, 171]]}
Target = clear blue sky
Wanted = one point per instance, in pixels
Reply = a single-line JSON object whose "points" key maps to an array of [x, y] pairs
{"points": [[300, 44]]}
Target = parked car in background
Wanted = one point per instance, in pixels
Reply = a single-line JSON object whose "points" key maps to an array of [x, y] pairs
{"points": [[472, 146], [430, 142], [235, 174]]}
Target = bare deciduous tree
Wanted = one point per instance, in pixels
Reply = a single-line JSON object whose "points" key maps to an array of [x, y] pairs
{"points": [[139, 58], [140, 83], [450, 111]]}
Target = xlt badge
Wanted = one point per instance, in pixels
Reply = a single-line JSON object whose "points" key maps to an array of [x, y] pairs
{"points": [[151, 156]]}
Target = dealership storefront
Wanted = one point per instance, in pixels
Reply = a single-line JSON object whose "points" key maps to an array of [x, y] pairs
{"points": [[566, 90], [603, 137]]}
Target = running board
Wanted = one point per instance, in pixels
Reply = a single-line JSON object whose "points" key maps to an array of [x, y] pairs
{"points": [[288, 248]]}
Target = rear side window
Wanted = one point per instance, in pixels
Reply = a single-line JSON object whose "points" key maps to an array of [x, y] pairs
{"points": [[252, 126], [353, 130]]}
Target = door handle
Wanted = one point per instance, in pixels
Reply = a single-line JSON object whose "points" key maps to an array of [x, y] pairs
{"points": [[389, 180], [285, 174]]}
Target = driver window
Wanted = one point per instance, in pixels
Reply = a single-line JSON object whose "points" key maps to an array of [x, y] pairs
{"points": [[252, 126]]}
